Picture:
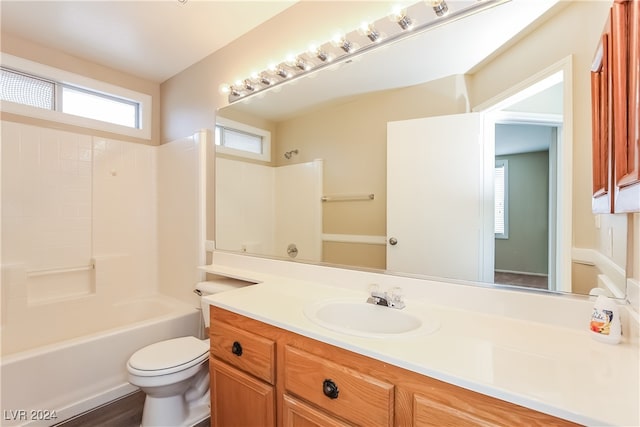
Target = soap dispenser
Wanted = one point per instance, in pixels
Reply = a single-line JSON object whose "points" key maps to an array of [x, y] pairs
{"points": [[605, 321]]}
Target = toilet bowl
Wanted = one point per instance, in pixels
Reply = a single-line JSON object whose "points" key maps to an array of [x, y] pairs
{"points": [[174, 374]]}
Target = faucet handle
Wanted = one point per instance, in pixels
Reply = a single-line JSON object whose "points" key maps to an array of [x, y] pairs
{"points": [[374, 291], [395, 293], [395, 297]]}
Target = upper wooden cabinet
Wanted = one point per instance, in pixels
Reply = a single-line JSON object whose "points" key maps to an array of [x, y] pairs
{"points": [[601, 123], [626, 15], [615, 91]]}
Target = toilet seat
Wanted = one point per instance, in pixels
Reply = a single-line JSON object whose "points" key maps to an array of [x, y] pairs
{"points": [[167, 357]]}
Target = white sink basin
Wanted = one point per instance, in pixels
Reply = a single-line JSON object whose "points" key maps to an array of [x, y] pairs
{"points": [[356, 317]]}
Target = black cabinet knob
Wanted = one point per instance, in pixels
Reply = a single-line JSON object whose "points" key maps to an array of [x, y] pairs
{"points": [[330, 389], [236, 348]]}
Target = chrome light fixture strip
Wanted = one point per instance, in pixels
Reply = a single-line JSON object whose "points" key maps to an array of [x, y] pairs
{"points": [[330, 54]]}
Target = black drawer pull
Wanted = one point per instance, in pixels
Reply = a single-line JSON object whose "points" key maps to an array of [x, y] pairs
{"points": [[330, 389], [236, 348]]}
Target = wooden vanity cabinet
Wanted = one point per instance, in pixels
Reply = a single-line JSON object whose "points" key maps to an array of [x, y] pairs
{"points": [[615, 101], [362, 391], [242, 375]]}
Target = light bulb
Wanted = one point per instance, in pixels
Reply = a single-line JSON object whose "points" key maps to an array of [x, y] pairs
{"points": [[399, 15], [370, 32], [344, 44], [248, 85], [265, 80], [439, 7], [319, 53]]}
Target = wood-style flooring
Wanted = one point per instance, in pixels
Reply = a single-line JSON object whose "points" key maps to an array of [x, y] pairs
{"points": [[124, 412], [524, 280]]}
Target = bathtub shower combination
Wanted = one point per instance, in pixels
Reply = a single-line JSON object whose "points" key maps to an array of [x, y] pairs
{"points": [[85, 282], [74, 375]]}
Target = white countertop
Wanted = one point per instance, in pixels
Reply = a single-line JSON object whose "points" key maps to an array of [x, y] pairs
{"points": [[555, 370]]}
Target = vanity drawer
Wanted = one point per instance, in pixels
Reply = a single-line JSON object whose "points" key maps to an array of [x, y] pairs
{"points": [[337, 389], [246, 351]]}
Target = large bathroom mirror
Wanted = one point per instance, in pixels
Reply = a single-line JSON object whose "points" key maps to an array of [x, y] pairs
{"points": [[337, 188]]}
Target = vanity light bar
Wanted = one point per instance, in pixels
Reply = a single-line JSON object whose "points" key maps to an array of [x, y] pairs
{"points": [[406, 22]]}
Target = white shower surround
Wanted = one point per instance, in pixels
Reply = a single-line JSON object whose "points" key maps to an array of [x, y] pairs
{"points": [[70, 200], [68, 334], [269, 208]]}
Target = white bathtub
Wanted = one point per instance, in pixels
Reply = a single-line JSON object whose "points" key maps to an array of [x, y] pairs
{"points": [[81, 364]]}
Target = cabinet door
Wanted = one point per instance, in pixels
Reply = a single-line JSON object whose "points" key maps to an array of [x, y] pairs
{"points": [[601, 124], [451, 406], [298, 414], [626, 21], [238, 399]]}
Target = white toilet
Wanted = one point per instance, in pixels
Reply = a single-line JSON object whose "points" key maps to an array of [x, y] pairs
{"points": [[174, 373]]}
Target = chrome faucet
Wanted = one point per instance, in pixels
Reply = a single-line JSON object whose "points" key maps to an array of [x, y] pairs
{"points": [[391, 299]]}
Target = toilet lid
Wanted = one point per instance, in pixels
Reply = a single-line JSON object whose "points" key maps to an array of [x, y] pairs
{"points": [[170, 354]]}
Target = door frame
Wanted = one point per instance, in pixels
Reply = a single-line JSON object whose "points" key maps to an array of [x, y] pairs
{"points": [[561, 247]]}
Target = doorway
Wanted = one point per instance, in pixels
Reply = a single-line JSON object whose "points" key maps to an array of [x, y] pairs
{"points": [[542, 102], [525, 182]]}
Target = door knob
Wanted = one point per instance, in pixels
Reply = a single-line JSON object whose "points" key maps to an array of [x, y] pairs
{"points": [[393, 241]]}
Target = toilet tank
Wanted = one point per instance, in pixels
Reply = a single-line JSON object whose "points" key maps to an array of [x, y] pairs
{"points": [[214, 286]]}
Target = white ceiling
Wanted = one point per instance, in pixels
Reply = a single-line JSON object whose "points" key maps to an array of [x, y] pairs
{"points": [[153, 39]]}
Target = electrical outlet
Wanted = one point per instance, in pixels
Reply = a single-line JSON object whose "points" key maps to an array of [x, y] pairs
{"points": [[209, 245]]}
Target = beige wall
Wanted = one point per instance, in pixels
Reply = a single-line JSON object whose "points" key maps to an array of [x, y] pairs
{"points": [[25, 49]]}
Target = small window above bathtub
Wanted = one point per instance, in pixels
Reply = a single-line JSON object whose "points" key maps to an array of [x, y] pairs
{"points": [[238, 139], [35, 90]]}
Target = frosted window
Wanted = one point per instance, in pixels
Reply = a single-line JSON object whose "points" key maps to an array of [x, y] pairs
{"points": [[242, 140], [27, 90], [238, 140]]}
